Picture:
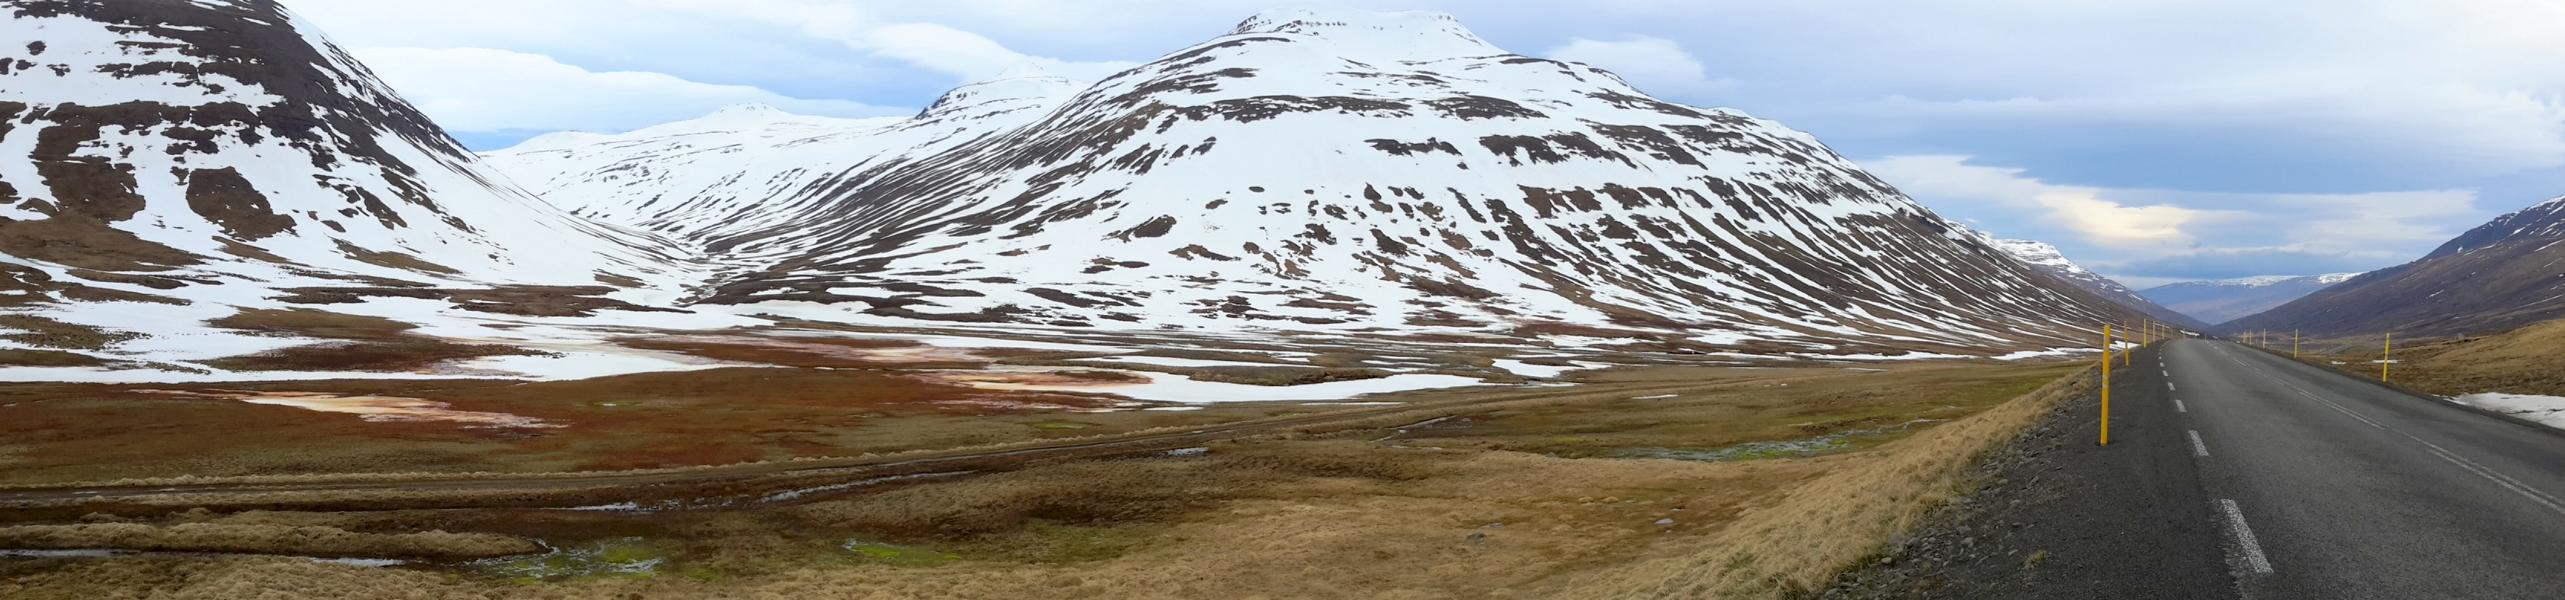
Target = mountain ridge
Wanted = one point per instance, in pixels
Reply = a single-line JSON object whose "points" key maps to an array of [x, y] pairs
{"points": [[1494, 130], [2498, 276]]}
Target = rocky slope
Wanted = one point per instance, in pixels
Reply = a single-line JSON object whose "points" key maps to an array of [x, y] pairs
{"points": [[169, 136], [1315, 171], [2224, 300], [2048, 259], [2502, 275]]}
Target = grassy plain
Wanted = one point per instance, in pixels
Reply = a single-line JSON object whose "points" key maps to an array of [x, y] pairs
{"points": [[1541, 495]]}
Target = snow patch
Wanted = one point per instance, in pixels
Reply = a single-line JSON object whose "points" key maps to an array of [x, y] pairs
{"points": [[2547, 410]]}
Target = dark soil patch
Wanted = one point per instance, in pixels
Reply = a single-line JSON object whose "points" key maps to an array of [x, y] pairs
{"points": [[408, 354], [49, 358], [523, 300], [49, 333], [312, 323]]}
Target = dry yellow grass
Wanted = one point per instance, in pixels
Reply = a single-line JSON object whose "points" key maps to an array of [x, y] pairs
{"points": [[2530, 360], [1801, 541]]}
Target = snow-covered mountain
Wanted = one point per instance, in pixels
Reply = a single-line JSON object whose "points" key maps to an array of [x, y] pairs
{"points": [[2049, 259], [2223, 300], [204, 139], [2505, 274], [167, 165], [1312, 170]]}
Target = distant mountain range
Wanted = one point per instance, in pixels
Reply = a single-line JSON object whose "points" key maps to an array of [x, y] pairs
{"points": [[2220, 301], [2502, 275]]}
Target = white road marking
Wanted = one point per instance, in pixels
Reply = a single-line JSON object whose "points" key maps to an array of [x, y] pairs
{"points": [[2244, 538], [2504, 481], [2168, 386], [2177, 406], [2198, 448]]}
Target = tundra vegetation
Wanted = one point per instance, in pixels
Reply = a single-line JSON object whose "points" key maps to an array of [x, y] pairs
{"points": [[1612, 488]]}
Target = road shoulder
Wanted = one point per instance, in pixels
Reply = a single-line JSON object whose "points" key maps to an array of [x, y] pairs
{"points": [[2057, 516]]}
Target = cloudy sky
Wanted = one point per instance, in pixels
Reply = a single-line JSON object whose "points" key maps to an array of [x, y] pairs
{"points": [[2153, 140]]}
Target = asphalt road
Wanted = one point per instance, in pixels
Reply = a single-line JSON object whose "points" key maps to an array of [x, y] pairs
{"points": [[2343, 487], [2329, 486]]}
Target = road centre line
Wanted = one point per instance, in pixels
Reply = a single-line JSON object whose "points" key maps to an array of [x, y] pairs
{"points": [[2244, 538]]}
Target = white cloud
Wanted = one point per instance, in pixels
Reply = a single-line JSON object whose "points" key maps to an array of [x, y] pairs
{"points": [[1654, 64], [2373, 224], [963, 55], [2147, 235], [2082, 210], [482, 89], [970, 56], [2449, 126]]}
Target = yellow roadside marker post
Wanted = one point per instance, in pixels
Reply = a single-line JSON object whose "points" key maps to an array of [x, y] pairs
{"points": [[2387, 357], [2106, 385], [2296, 338]]}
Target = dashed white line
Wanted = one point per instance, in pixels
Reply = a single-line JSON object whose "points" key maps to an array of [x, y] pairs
{"points": [[2244, 538], [2177, 406], [2198, 448]]}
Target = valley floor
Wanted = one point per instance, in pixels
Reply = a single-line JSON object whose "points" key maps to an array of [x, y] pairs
{"points": [[909, 481]]}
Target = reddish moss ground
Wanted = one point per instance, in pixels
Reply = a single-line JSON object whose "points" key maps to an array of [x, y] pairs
{"points": [[75, 432]]}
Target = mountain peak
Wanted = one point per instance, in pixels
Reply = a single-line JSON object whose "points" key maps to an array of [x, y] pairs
{"points": [[1016, 89], [2038, 253], [1418, 35]]}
